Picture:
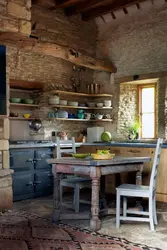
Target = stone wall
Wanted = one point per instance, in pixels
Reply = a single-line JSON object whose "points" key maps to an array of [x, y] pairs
{"points": [[5, 172], [54, 27], [137, 45], [127, 109], [15, 16], [51, 26]]}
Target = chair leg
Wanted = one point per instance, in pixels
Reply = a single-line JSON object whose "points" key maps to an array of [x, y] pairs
{"points": [[61, 193], [124, 206], [76, 198], [155, 212], [118, 210], [151, 213]]}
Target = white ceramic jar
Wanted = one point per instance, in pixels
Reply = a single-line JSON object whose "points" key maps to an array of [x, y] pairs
{"points": [[107, 103], [54, 100]]}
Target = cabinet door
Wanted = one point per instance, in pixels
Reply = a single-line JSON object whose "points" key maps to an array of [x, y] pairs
{"points": [[43, 183], [23, 185], [41, 156], [21, 160]]}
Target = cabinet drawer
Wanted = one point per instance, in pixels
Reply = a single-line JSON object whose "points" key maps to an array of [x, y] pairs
{"points": [[21, 160], [23, 184], [40, 158], [43, 183]]}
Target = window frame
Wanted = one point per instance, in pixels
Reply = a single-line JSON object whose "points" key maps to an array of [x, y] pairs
{"points": [[140, 87]]}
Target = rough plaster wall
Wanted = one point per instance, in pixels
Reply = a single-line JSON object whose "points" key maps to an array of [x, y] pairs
{"points": [[137, 45], [56, 28]]}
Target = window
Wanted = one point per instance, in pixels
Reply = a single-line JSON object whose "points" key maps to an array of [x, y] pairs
{"points": [[147, 111]]}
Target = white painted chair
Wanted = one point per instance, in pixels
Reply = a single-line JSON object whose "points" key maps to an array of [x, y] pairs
{"points": [[128, 190], [77, 183]]}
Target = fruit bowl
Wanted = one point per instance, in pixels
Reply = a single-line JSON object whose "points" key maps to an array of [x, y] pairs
{"points": [[103, 156], [80, 155]]}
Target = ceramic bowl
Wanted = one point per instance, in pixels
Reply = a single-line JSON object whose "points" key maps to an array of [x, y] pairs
{"points": [[13, 114], [27, 116], [15, 100], [91, 104], [54, 100], [63, 102], [100, 104], [75, 104], [107, 103], [28, 101]]}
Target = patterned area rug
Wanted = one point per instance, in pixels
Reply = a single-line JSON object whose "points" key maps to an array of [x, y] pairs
{"points": [[22, 231]]}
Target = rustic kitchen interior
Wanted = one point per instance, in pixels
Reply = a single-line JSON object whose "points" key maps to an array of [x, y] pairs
{"points": [[94, 71]]}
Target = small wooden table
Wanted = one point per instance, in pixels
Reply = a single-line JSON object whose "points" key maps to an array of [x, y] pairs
{"points": [[94, 169]]}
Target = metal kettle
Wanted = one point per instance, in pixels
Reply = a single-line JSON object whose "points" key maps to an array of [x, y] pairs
{"points": [[35, 124]]}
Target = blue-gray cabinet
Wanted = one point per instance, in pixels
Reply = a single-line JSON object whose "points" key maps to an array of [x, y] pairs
{"points": [[32, 175]]}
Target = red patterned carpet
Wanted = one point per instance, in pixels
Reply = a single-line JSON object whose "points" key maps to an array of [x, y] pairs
{"points": [[22, 231]]}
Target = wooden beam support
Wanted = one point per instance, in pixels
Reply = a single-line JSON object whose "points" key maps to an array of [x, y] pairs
{"points": [[47, 4], [66, 4], [108, 8], [28, 44], [83, 6]]}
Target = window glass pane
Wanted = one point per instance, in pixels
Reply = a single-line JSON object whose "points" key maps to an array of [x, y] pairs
{"points": [[148, 100], [148, 125]]}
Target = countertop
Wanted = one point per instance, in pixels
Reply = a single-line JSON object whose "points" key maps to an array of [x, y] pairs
{"points": [[78, 144]]}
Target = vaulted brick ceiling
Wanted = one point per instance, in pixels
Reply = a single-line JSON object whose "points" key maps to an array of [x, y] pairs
{"points": [[89, 9]]}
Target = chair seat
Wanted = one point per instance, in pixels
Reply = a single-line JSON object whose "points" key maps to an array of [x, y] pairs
{"points": [[133, 190]]}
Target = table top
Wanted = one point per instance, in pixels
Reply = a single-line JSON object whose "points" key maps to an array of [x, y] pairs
{"points": [[117, 160]]}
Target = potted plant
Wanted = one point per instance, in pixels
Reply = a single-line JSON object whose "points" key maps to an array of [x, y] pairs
{"points": [[133, 130]]}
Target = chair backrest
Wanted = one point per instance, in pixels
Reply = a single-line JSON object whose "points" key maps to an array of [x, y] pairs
{"points": [[155, 165], [65, 146]]}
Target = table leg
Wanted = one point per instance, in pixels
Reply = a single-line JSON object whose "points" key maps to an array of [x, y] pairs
{"points": [[139, 182], [139, 176], [103, 201], [95, 222], [56, 198]]}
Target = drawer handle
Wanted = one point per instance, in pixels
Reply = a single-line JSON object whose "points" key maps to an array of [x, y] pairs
{"points": [[30, 183], [37, 182], [30, 160], [37, 159]]}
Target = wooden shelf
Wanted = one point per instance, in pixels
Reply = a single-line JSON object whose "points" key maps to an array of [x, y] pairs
{"points": [[24, 105], [23, 90], [78, 107], [78, 94], [60, 119], [80, 120], [21, 118], [25, 85]]}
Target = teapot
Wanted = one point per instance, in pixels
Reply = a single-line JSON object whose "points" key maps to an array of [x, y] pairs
{"points": [[63, 135]]}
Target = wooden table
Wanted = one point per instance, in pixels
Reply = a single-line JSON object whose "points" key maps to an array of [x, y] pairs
{"points": [[94, 169]]}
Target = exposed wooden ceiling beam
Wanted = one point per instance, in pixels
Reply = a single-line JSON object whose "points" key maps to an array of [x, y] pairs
{"points": [[102, 10], [28, 44], [83, 6], [44, 3], [66, 4]]}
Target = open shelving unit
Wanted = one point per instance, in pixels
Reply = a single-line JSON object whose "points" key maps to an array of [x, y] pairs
{"points": [[23, 105], [78, 107], [22, 118], [78, 94], [80, 120], [29, 87]]}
